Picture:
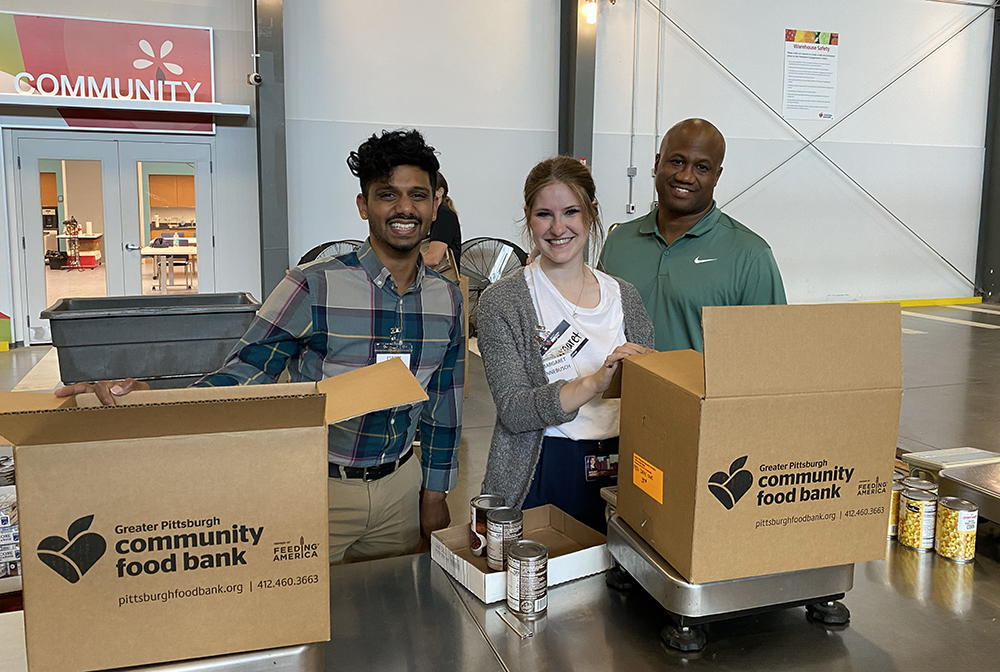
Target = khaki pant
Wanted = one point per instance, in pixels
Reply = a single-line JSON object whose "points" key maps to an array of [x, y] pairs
{"points": [[375, 519]]}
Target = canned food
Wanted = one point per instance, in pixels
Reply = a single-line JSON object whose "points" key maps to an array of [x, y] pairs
{"points": [[503, 528], [955, 536], [916, 530], [914, 483], [897, 488], [899, 474], [480, 505], [528, 579]]}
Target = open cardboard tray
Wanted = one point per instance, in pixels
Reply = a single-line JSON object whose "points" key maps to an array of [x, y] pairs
{"points": [[575, 551]]}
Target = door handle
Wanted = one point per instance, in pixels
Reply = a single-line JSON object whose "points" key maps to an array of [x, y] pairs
{"points": [[131, 247]]}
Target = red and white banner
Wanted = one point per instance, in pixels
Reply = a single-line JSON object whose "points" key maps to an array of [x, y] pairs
{"points": [[109, 60]]}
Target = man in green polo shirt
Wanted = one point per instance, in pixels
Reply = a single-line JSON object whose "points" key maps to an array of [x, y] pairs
{"points": [[686, 253]]}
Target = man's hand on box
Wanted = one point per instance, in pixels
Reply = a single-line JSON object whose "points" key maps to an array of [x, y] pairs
{"points": [[433, 512], [106, 390]]}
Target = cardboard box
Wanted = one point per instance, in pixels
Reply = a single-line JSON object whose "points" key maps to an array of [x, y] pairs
{"points": [[771, 453], [575, 551], [181, 523]]}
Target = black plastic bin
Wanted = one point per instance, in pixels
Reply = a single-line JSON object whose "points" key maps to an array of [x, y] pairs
{"points": [[167, 341]]}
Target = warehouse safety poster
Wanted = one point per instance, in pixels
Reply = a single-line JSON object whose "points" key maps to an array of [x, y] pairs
{"points": [[810, 83]]}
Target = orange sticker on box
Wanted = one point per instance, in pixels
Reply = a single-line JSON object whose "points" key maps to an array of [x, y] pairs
{"points": [[648, 478]]}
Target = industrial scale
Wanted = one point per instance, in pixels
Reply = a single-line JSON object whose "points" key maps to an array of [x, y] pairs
{"points": [[691, 605], [967, 473]]}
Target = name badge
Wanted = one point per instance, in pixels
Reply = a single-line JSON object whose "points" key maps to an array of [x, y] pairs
{"points": [[560, 368], [600, 466], [386, 351]]}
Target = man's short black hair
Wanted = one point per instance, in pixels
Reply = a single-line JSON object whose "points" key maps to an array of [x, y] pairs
{"points": [[378, 155]]}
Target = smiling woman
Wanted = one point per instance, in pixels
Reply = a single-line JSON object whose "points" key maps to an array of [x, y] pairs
{"points": [[551, 339]]}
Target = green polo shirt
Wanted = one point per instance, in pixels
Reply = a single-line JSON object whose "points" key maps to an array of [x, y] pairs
{"points": [[719, 262]]}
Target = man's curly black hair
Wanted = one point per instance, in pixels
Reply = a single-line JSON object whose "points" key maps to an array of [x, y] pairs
{"points": [[378, 155]]}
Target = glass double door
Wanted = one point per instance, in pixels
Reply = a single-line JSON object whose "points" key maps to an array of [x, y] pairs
{"points": [[104, 216]]}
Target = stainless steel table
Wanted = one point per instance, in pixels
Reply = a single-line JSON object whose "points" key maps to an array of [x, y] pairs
{"points": [[402, 614], [909, 612]]}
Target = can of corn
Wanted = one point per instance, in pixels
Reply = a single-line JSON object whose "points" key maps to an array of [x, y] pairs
{"points": [[528, 579], [899, 474], [914, 483], [955, 534], [916, 529], [480, 506], [503, 528], [897, 488]]}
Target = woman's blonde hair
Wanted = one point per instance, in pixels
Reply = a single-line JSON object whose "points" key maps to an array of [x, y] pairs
{"points": [[576, 176]]}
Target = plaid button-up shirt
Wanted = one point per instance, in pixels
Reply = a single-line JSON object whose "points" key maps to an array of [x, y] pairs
{"points": [[326, 317]]}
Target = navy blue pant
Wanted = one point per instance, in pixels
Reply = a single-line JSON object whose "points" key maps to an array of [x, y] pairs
{"points": [[560, 480]]}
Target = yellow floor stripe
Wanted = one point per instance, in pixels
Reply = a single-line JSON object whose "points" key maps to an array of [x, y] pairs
{"points": [[936, 318], [916, 303]]}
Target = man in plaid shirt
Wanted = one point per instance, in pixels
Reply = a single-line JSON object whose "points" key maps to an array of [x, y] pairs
{"points": [[341, 313]]}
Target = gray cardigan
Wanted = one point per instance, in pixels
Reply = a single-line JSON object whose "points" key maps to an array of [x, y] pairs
{"points": [[526, 402]]}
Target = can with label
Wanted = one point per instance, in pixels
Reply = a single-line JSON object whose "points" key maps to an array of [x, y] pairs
{"points": [[914, 483], [503, 528], [528, 579], [955, 536], [916, 530], [480, 505], [897, 487]]}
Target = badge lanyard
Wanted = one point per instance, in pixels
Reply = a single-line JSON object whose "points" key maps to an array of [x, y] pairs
{"points": [[394, 347], [557, 367]]}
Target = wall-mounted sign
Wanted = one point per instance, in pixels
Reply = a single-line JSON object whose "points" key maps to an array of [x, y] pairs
{"points": [[810, 89], [97, 60]]}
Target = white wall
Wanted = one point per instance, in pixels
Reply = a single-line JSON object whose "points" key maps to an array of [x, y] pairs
{"points": [[917, 147], [480, 80]]}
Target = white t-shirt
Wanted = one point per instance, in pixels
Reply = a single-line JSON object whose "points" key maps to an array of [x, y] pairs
{"points": [[577, 346]]}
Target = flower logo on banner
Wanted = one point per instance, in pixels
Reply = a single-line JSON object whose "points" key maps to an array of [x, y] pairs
{"points": [[165, 48]]}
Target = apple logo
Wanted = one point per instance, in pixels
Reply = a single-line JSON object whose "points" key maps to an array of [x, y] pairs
{"points": [[73, 558], [730, 488]]}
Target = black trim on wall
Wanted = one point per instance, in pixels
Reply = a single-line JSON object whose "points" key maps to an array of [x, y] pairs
{"points": [[271, 174], [577, 62], [988, 254]]}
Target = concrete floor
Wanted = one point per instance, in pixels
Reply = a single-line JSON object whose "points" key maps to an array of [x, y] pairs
{"points": [[951, 381]]}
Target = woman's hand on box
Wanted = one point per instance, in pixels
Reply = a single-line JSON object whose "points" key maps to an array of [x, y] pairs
{"points": [[106, 390], [576, 393]]}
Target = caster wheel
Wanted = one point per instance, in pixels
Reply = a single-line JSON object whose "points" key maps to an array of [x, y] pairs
{"points": [[683, 637], [618, 579], [829, 613]]}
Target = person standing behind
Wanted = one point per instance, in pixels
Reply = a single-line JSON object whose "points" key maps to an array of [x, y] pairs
{"points": [[686, 253], [551, 339], [446, 232]]}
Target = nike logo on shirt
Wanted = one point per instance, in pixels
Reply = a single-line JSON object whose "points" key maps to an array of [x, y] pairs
{"points": [[699, 260]]}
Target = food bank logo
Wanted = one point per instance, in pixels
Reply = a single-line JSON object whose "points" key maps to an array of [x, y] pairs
{"points": [[73, 557], [730, 487]]}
